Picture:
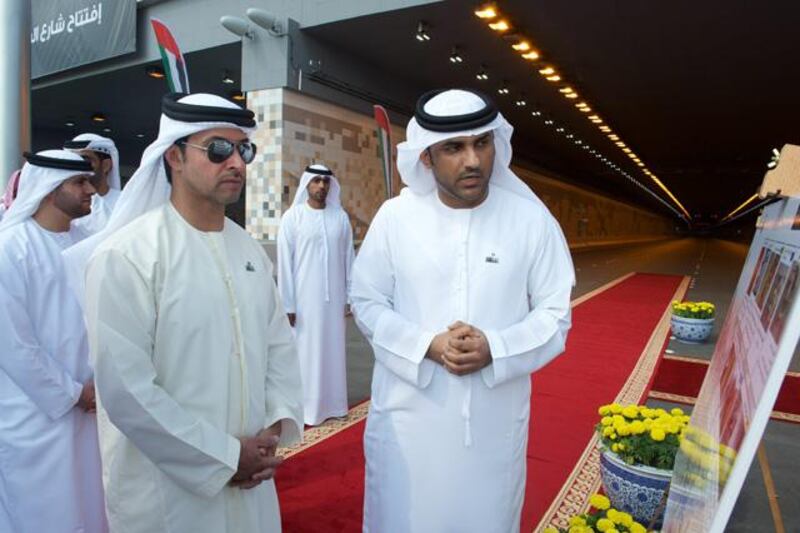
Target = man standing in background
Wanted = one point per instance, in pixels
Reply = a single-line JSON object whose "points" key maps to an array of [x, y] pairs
{"points": [[315, 255]]}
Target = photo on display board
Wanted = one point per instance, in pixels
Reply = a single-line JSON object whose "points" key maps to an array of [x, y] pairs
{"points": [[796, 223], [775, 291], [762, 270], [757, 272], [787, 299], [766, 283]]}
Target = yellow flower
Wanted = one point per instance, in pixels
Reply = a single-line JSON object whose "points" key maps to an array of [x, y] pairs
{"points": [[606, 420], [657, 434], [677, 411], [637, 427], [612, 530], [615, 447], [550, 529], [604, 524], [579, 529], [625, 519], [620, 447], [608, 431], [636, 527], [630, 411], [624, 430], [577, 521], [604, 410], [611, 514], [598, 501], [615, 408]]}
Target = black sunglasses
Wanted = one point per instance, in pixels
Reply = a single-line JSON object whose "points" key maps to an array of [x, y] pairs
{"points": [[219, 150]]}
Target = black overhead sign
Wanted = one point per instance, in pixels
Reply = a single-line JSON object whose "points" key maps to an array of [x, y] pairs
{"points": [[70, 33]]}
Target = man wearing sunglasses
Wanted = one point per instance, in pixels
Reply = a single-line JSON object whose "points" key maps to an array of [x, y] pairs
{"points": [[196, 370]]}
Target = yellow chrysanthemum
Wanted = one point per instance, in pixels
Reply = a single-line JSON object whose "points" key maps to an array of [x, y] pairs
{"points": [[604, 524], [630, 411], [636, 527], [606, 421], [604, 410], [677, 411], [625, 519], [598, 501], [637, 427], [657, 434], [550, 529], [615, 408], [577, 521]]}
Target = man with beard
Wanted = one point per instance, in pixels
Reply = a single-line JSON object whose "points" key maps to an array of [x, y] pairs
{"points": [[102, 153], [196, 370], [462, 286], [315, 255], [50, 462]]}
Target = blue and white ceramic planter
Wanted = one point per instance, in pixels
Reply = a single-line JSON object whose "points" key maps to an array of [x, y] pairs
{"points": [[691, 330], [635, 489]]}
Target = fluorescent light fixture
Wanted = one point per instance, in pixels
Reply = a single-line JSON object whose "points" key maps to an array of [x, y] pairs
{"points": [[422, 32], [486, 12], [500, 25]]}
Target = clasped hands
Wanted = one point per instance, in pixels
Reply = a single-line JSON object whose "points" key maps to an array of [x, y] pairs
{"points": [[461, 350], [257, 459]]}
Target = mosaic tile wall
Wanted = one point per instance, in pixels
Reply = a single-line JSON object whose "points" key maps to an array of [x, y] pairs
{"points": [[265, 174], [296, 130]]}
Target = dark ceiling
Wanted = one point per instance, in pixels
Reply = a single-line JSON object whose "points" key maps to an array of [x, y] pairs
{"points": [[700, 91]]}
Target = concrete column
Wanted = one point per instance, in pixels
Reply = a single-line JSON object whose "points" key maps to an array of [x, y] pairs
{"points": [[15, 89]]}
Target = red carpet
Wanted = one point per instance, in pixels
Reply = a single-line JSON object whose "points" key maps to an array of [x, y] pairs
{"points": [[608, 335], [321, 487], [683, 377]]}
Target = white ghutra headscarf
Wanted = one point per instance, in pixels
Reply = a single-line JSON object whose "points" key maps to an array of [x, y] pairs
{"points": [[148, 188], [315, 171], [41, 175], [457, 113], [104, 145]]}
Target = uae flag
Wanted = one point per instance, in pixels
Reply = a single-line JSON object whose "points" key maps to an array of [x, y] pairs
{"points": [[174, 65], [385, 142]]}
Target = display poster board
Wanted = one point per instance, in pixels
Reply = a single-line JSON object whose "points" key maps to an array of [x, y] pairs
{"points": [[751, 357]]}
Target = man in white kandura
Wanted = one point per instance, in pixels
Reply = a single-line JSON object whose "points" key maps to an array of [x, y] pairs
{"points": [[49, 458], [196, 370], [315, 256], [102, 153], [462, 286]]}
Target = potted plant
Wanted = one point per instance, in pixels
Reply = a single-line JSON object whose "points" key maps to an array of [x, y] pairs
{"points": [[638, 447], [602, 518], [692, 322]]}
